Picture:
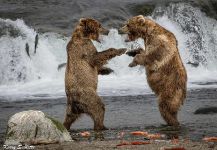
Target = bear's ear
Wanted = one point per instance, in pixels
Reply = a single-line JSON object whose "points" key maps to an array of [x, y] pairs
{"points": [[141, 21], [83, 21]]}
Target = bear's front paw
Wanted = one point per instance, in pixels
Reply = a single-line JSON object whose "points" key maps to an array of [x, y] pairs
{"points": [[132, 64], [131, 53], [134, 52], [121, 51]]}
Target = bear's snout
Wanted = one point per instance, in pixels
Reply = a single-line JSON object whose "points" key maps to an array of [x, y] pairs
{"points": [[104, 31], [123, 30]]}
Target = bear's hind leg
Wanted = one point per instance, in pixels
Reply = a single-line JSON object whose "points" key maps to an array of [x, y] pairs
{"points": [[70, 117], [97, 112], [95, 109], [169, 106], [74, 109], [169, 115]]}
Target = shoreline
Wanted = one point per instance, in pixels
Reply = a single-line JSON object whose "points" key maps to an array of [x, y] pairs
{"points": [[111, 145]]}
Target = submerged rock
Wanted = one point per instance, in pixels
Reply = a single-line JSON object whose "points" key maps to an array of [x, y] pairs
{"points": [[206, 110], [34, 127]]}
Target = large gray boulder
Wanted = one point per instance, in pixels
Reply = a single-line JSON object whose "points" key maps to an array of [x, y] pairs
{"points": [[34, 127]]}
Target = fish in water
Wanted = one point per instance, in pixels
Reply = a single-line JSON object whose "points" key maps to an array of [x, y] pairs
{"points": [[60, 66], [36, 42], [27, 49], [193, 64]]}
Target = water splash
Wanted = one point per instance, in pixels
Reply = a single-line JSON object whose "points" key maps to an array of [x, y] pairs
{"points": [[38, 77], [15, 65], [198, 29]]}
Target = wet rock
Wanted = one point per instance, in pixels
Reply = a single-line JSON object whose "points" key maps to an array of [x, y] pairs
{"points": [[34, 127], [206, 110]]}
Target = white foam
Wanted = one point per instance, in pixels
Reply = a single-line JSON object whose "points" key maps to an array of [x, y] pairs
{"points": [[42, 79]]}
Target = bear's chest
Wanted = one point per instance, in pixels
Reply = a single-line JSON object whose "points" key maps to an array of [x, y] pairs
{"points": [[83, 51]]}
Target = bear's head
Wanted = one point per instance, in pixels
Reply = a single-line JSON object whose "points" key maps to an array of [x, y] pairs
{"points": [[88, 28], [137, 27]]}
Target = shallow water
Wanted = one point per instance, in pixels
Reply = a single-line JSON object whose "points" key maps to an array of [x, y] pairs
{"points": [[128, 113]]}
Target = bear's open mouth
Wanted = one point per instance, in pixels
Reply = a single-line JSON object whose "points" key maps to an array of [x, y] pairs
{"points": [[131, 36], [99, 39], [127, 38]]}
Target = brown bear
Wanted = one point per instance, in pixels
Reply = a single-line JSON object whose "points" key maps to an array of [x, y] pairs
{"points": [[166, 74], [81, 76]]}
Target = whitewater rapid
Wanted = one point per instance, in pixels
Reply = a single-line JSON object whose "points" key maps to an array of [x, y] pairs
{"points": [[37, 77]]}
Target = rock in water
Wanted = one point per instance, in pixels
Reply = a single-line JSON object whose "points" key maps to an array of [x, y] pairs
{"points": [[34, 127], [206, 110]]}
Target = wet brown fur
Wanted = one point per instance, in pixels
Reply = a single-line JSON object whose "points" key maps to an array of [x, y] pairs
{"points": [[165, 71], [81, 76]]}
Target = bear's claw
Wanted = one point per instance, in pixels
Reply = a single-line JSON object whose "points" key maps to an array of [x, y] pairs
{"points": [[132, 64]]}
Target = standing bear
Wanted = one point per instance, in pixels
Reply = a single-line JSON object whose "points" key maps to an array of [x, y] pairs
{"points": [[81, 76], [166, 74]]}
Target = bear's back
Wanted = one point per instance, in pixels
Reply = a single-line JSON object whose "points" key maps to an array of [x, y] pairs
{"points": [[172, 75]]}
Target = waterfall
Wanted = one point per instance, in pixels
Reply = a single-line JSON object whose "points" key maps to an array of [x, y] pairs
{"points": [[37, 75]]}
